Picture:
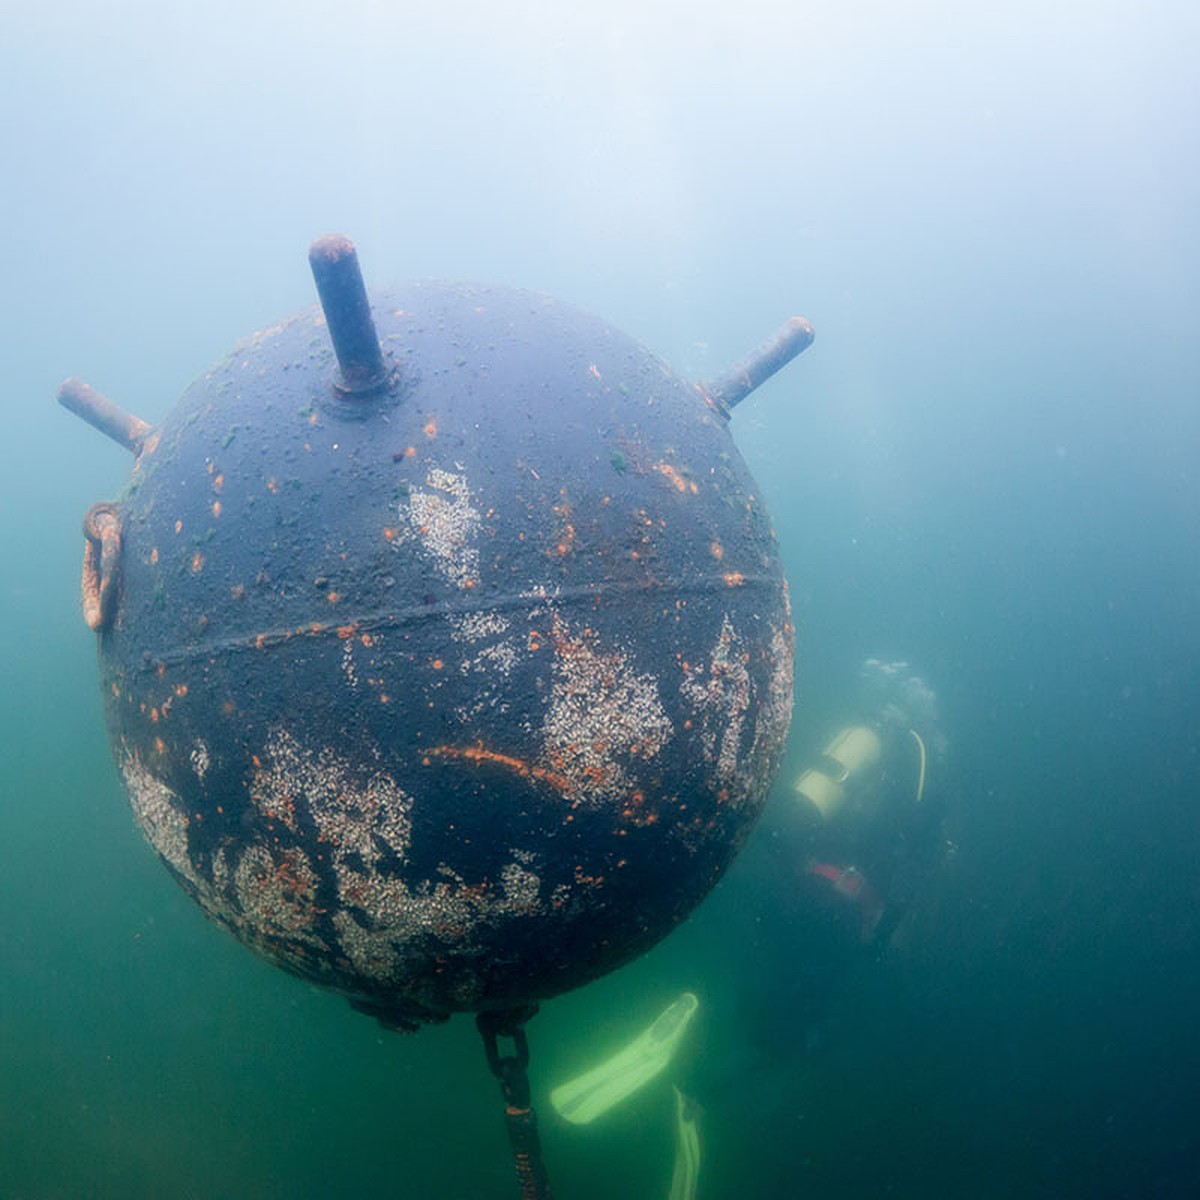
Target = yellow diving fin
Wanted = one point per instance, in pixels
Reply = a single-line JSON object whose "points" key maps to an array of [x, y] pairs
{"points": [[687, 1149], [587, 1096]]}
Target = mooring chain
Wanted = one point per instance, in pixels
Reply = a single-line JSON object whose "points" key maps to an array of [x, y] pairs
{"points": [[519, 1117]]}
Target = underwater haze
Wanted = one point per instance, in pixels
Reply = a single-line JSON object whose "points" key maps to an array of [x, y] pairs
{"points": [[988, 464]]}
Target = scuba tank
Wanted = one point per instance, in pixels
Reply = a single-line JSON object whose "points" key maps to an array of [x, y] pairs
{"points": [[850, 763]]}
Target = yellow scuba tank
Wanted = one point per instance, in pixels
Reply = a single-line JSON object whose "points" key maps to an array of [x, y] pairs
{"points": [[848, 763]]}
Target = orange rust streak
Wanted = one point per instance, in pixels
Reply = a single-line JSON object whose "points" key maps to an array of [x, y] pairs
{"points": [[481, 754], [676, 480]]}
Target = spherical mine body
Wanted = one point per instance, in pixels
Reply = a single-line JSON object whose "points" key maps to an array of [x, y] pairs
{"points": [[457, 695]]}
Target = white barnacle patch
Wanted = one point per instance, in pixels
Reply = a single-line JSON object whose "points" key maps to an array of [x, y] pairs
{"points": [[160, 813], [266, 896], [402, 930], [719, 691], [775, 710], [601, 714], [348, 668], [476, 626], [501, 658], [447, 524], [776, 713], [499, 654], [355, 817], [200, 759], [520, 888], [277, 892], [220, 869], [385, 924], [488, 651]]}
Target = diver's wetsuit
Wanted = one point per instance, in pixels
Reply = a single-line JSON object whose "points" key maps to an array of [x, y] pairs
{"points": [[834, 893]]}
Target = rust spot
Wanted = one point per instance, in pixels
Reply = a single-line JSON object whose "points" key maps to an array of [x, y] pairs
{"points": [[429, 429], [218, 482], [676, 480], [390, 533], [718, 551], [160, 746], [181, 690], [216, 508], [437, 664], [734, 579], [154, 715], [367, 640], [333, 597], [154, 556], [479, 754], [272, 485], [346, 631], [178, 526], [197, 563]]}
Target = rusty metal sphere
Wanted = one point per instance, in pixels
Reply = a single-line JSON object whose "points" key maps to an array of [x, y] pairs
{"points": [[450, 679]]}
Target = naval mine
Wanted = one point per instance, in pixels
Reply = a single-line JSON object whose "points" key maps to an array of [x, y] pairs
{"points": [[444, 644]]}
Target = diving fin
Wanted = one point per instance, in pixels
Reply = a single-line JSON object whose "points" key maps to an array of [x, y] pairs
{"points": [[687, 1149], [582, 1099]]}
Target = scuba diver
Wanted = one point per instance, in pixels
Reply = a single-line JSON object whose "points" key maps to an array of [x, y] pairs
{"points": [[842, 858]]}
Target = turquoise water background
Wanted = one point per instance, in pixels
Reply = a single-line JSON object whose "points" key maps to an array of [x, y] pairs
{"points": [[988, 464]]}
